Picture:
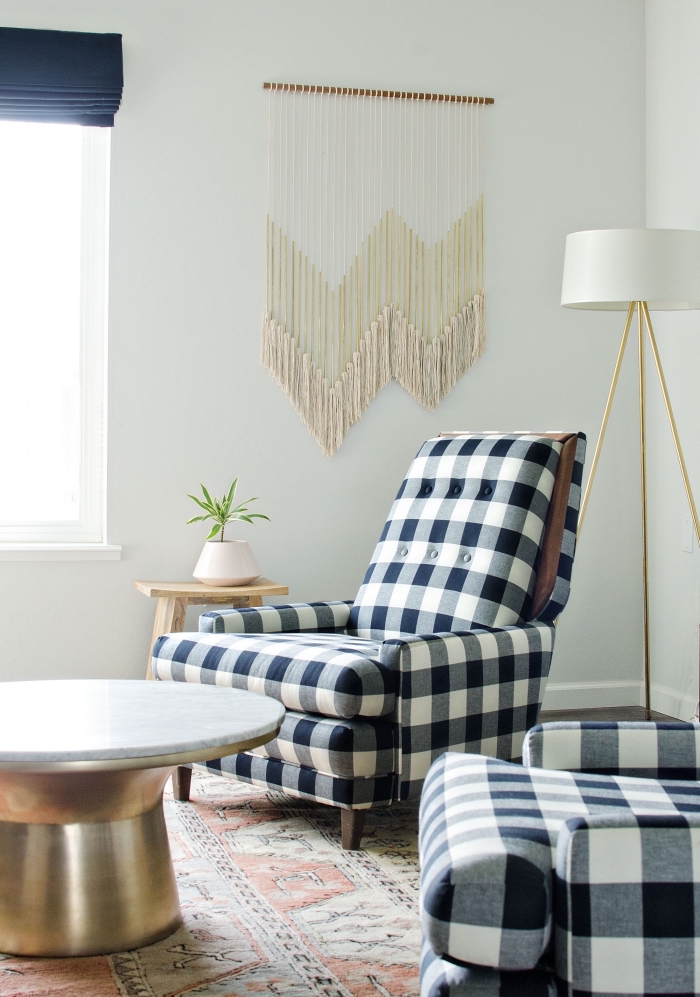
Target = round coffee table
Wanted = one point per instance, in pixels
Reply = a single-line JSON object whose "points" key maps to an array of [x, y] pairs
{"points": [[85, 865]]}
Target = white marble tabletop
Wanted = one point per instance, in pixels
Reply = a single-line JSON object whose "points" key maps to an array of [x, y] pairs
{"points": [[74, 720]]}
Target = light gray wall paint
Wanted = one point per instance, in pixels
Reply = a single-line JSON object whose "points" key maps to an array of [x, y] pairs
{"points": [[188, 399], [673, 201]]}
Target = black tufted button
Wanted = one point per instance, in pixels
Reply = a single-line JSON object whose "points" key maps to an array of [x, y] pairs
{"points": [[456, 490], [488, 490], [427, 489]]}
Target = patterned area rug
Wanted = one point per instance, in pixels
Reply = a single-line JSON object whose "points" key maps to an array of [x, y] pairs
{"points": [[271, 905]]}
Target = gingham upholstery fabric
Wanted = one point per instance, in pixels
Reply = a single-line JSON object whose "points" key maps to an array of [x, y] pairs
{"points": [[488, 838], [477, 692], [297, 617], [440, 978], [642, 749], [351, 749], [460, 545], [306, 783], [628, 904], [331, 674], [473, 691]]}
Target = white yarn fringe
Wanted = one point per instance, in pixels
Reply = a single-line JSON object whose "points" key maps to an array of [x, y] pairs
{"points": [[429, 371], [390, 348]]}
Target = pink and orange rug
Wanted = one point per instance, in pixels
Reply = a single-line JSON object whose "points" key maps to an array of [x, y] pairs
{"points": [[272, 905]]}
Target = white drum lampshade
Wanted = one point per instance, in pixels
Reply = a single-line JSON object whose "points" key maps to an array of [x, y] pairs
{"points": [[606, 269]]}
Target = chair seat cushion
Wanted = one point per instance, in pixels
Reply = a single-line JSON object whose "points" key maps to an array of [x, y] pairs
{"points": [[351, 749], [488, 838], [330, 674]]}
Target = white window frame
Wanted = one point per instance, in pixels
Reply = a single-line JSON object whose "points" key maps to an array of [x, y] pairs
{"points": [[86, 537]]}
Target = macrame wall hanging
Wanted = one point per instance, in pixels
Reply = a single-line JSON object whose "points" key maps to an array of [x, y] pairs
{"points": [[375, 248]]}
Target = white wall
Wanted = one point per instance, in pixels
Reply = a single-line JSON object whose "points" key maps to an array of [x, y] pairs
{"points": [[673, 201], [188, 398]]}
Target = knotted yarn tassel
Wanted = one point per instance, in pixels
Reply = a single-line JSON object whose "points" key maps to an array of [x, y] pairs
{"points": [[390, 348], [329, 410], [429, 370]]}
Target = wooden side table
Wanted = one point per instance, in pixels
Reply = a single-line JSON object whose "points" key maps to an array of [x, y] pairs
{"points": [[174, 598]]}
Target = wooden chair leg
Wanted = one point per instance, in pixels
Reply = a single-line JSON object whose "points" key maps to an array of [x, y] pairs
{"points": [[182, 778], [351, 823]]}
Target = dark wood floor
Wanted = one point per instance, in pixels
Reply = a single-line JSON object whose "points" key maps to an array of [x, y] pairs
{"points": [[601, 713]]}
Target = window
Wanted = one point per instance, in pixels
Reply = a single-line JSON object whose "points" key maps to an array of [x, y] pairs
{"points": [[54, 185]]}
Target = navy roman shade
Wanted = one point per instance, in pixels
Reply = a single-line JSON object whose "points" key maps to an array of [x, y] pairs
{"points": [[72, 77]]}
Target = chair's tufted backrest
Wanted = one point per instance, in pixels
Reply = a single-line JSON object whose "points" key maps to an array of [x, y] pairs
{"points": [[462, 542]]}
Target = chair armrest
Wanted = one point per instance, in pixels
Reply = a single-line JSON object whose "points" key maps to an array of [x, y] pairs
{"points": [[423, 652], [486, 889], [644, 750], [312, 617], [624, 906], [476, 691]]}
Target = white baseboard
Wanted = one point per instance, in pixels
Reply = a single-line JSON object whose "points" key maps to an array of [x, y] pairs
{"points": [[672, 702], [588, 695]]}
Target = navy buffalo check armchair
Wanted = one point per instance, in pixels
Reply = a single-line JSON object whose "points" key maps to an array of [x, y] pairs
{"points": [[575, 874], [447, 645]]}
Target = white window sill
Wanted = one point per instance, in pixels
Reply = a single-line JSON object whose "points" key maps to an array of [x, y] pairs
{"points": [[59, 552]]}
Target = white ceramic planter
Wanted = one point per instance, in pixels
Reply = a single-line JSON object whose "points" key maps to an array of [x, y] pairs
{"points": [[229, 563]]}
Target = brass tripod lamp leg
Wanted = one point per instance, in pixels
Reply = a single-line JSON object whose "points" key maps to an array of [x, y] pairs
{"points": [[674, 428], [606, 416], [594, 465], [645, 544], [672, 421]]}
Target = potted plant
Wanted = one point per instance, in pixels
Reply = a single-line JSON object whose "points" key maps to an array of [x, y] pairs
{"points": [[225, 562]]}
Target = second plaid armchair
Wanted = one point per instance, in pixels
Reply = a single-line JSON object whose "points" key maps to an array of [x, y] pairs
{"points": [[576, 874]]}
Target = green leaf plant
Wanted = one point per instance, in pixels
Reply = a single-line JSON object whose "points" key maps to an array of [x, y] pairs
{"points": [[222, 511]]}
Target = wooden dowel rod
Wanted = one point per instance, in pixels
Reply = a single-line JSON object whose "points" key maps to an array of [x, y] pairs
{"points": [[353, 92]]}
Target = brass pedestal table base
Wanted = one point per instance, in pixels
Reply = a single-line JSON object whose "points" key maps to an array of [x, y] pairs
{"points": [[82, 873], [85, 864]]}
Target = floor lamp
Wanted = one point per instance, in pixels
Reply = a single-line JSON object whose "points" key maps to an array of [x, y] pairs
{"points": [[635, 270]]}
